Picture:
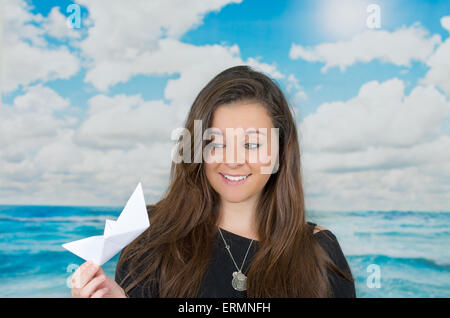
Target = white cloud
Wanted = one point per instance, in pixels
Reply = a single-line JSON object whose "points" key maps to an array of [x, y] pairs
{"points": [[292, 83], [379, 150], [1, 51], [381, 115], [56, 26], [445, 22], [123, 139], [400, 47], [147, 22], [31, 122], [168, 58], [41, 161], [122, 122], [19, 23], [439, 63], [26, 55], [382, 149], [270, 69], [413, 188], [158, 51], [94, 176], [379, 158], [293, 87], [98, 176], [195, 65], [24, 64]]}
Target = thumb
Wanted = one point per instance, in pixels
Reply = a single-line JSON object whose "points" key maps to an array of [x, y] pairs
{"points": [[99, 271]]}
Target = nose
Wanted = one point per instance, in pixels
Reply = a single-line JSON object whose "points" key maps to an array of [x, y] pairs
{"points": [[235, 156], [234, 165]]}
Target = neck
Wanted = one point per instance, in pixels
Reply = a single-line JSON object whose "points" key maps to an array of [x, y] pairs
{"points": [[239, 217]]}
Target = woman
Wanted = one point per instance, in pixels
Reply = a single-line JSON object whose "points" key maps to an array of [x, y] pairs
{"points": [[224, 228]]}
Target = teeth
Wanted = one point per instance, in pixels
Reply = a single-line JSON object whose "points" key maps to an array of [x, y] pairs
{"points": [[231, 178]]}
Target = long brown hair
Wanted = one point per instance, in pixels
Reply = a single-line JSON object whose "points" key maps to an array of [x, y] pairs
{"points": [[173, 254]]}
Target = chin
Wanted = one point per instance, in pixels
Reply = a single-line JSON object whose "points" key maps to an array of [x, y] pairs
{"points": [[234, 198]]}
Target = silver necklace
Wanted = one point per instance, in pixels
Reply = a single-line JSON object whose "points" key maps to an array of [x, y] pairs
{"points": [[239, 281]]}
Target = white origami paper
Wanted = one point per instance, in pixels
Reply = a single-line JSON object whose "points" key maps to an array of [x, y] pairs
{"points": [[131, 223]]}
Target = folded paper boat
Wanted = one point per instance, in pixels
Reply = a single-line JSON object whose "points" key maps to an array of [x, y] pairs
{"points": [[132, 222]]}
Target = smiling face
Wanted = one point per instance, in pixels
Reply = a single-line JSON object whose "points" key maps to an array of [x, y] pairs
{"points": [[239, 177]]}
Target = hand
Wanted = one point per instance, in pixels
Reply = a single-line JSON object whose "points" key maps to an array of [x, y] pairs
{"points": [[89, 281]]}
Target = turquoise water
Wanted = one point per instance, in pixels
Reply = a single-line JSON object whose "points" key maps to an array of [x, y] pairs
{"points": [[410, 249]]}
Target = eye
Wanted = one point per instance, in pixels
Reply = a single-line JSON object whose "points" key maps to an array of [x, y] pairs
{"points": [[217, 145], [251, 145]]}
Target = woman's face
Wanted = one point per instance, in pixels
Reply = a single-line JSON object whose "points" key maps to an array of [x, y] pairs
{"points": [[238, 177]]}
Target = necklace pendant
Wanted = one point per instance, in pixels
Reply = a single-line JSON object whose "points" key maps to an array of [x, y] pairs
{"points": [[239, 281]]}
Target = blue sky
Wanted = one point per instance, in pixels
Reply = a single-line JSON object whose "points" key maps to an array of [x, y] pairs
{"points": [[336, 56], [269, 32]]}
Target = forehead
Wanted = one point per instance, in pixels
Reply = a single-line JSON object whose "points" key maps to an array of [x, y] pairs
{"points": [[241, 115]]}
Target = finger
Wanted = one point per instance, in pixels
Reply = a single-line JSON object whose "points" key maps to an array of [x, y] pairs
{"points": [[87, 274], [92, 286], [76, 277], [100, 293], [99, 272]]}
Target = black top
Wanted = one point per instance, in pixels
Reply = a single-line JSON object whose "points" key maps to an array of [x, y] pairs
{"points": [[217, 279]]}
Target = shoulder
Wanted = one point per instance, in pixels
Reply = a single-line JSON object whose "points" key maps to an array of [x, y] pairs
{"points": [[342, 287], [318, 228], [326, 238]]}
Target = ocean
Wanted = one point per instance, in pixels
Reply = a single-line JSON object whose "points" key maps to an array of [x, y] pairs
{"points": [[391, 254]]}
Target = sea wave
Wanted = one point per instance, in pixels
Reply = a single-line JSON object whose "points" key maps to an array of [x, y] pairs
{"points": [[381, 259], [429, 234], [71, 219], [410, 247]]}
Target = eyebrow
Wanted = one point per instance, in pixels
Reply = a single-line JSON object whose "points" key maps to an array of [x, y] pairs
{"points": [[248, 132]]}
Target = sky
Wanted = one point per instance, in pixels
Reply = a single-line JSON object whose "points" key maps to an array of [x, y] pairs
{"points": [[87, 109]]}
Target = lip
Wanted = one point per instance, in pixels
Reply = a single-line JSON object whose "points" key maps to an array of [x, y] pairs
{"points": [[235, 175]]}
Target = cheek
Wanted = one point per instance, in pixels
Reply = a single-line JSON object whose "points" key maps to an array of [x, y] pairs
{"points": [[211, 170], [259, 179]]}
